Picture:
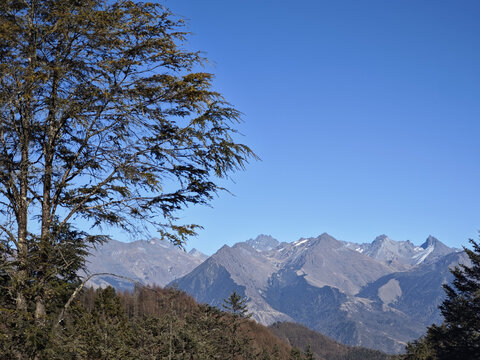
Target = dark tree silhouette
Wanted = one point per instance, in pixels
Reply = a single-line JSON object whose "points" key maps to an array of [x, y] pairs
{"points": [[458, 337]]}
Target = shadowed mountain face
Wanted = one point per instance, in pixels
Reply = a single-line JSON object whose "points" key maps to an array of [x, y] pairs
{"points": [[148, 262], [379, 295]]}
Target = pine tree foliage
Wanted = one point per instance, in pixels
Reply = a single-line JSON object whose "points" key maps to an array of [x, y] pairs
{"points": [[296, 354], [235, 344], [309, 353], [420, 349], [237, 305], [459, 335]]}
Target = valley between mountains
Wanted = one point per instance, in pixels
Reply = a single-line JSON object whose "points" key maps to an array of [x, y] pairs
{"points": [[378, 295]]}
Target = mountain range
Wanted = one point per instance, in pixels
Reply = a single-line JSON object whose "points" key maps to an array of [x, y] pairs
{"points": [[378, 295], [146, 262]]}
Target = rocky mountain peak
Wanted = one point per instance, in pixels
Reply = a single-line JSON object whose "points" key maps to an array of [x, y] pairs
{"points": [[435, 248], [431, 241], [437, 245], [382, 239], [158, 242], [198, 254], [327, 238], [263, 242], [324, 241], [383, 243], [224, 249]]}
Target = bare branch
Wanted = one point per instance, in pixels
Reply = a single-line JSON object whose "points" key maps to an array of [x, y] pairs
{"points": [[79, 288]]}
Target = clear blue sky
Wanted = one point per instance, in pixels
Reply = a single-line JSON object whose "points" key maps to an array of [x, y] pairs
{"points": [[365, 115]]}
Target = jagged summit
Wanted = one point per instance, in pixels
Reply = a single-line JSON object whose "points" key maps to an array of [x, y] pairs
{"points": [[322, 238], [198, 254], [381, 239], [402, 254], [432, 241], [434, 249], [263, 242]]}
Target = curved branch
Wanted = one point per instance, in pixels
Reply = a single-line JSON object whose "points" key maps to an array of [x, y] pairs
{"points": [[80, 287]]}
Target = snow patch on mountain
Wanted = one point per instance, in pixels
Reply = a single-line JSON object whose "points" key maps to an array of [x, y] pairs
{"points": [[300, 242], [423, 255]]}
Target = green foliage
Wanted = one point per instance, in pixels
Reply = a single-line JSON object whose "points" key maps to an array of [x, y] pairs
{"points": [[420, 349], [65, 256], [237, 305], [296, 354], [309, 353], [117, 126], [152, 323], [459, 335], [103, 117], [235, 345]]}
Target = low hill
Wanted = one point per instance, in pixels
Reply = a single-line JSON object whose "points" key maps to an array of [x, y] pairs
{"points": [[157, 323], [323, 347]]}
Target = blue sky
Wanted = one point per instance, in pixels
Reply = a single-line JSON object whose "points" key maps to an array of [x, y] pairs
{"points": [[365, 115]]}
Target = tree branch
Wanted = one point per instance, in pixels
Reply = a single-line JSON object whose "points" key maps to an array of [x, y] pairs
{"points": [[81, 286]]}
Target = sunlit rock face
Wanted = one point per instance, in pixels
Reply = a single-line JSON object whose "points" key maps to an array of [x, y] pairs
{"points": [[402, 254], [147, 262]]}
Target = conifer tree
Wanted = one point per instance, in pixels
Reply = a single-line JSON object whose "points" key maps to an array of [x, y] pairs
{"points": [[458, 337], [296, 354], [104, 120], [309, 353], [276, 352], [237, 305], [237, 343]]}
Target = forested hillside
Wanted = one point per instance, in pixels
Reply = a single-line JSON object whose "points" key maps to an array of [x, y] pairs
{"points": [[323, 347], [153, 323]]}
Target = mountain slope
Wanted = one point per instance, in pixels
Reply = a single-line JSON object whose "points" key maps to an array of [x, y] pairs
{"points": [[417, 292], [240, 268], [148, 262], [326, 261]]}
